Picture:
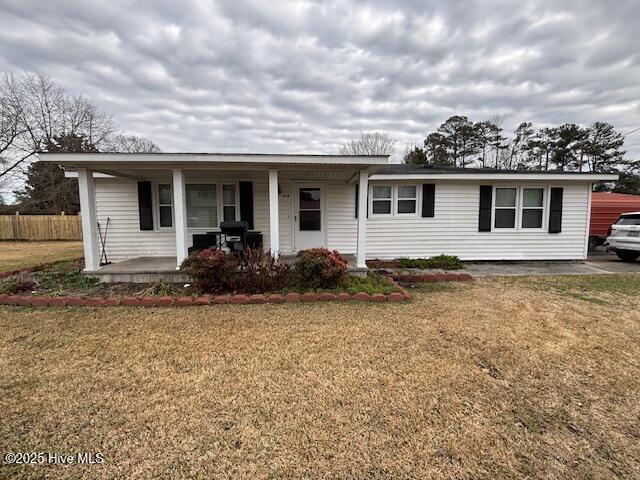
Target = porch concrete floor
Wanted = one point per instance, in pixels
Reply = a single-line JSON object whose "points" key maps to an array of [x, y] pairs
{"points": [[141, 265]]}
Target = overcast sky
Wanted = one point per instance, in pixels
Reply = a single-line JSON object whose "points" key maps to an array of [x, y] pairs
{"points": [[256, 76]]}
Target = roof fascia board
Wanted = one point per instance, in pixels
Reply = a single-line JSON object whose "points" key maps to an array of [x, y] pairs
{"points": [[587, 177], [213, 158]]}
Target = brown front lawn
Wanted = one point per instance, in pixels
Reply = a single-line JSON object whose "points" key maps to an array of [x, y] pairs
{"points": [[498, 378], [15, 255]]}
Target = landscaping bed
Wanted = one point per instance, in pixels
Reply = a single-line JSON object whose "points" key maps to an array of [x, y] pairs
{"points": [[443, 268], [440, 262], [63, 284]]}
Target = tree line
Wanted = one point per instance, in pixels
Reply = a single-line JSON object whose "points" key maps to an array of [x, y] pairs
{"points": [[38, 115], [460, 142]]}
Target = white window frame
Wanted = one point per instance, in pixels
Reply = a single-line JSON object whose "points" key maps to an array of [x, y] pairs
{"points": [[397, 198], [393, 211], [236, 205], [519, 207], [516, 220], [390, 199], [156, 209], [544, 208], [219, 199]]}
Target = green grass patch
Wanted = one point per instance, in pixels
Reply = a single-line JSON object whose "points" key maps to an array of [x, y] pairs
{"points": [[59, 278], [443, 262], [589, 288], [372, 283], [62, 277]]}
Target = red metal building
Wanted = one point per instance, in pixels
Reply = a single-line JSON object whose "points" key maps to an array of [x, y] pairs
{"points": [[605, 209]]}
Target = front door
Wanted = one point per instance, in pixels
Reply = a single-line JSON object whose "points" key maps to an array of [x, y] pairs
{"points": [[308, 216]]}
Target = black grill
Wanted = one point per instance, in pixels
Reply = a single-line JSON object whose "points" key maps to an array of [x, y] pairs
{"points": [[233, 228]]}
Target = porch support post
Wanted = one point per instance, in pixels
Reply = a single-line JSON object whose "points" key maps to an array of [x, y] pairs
{"points": [[274, 225], [180, 209], [363, 188], [87, 189]]}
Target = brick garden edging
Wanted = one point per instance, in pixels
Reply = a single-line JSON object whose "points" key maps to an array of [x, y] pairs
{"points": [[184, 301], [236, 299]]}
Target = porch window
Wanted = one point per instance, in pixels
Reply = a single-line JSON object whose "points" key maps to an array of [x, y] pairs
{"points": [[505, 208], [381, 201], [532, 207], [165, 205], [202, 205], [229, 203], [407, 199]]}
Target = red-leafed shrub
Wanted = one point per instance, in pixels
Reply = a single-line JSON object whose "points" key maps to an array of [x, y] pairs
{"points": [[262, 272], [211, 270], [320, 268]]}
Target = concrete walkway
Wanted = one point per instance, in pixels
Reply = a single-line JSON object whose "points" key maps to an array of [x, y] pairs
{"points": [[596, 264]]}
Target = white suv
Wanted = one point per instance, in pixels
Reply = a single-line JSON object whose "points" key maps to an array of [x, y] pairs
{"points": [[624, 237]]}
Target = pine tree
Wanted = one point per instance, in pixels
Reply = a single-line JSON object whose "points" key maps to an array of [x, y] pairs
{"points": [[416, 156], [436, 148], [603, 147]]}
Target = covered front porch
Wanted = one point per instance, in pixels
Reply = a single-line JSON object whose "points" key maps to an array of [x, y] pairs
{"points": [[155, 204], [154, 269]]}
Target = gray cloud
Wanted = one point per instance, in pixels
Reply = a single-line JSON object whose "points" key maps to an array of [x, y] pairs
{"points": [[282, 76]]}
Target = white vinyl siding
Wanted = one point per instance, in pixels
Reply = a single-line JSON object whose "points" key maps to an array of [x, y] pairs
{"points": [[285, 217], [454, 229], [117, 199], [342, 224]]}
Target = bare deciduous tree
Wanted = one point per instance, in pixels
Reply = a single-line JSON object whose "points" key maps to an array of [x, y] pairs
{"points": [[130, 144], [374, 143], [38, 110]]}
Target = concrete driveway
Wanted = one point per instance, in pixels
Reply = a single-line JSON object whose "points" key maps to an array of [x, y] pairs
{"points": [[610, 263], [596, 264]]}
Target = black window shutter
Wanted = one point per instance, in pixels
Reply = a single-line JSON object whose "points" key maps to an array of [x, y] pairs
{"points": [[357, 198], [246, 203], [486, 199], [428, 199], [555, 210], [145, 206]]}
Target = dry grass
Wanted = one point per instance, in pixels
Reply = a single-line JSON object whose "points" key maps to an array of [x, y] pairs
{"points": [[14, 255], [495, 379]]}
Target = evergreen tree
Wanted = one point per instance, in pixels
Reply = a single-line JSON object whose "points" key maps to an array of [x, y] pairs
{"points": [[629, 183], [567, 144], [416, 156], [436, 148], [47, 190], [603, 147]]}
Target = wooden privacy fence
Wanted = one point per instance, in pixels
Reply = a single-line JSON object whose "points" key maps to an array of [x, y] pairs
{"points": [[40, 227]]}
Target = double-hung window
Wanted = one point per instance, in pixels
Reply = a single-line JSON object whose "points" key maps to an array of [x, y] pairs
{"points": [[407, 199], [505, 207], [381, 199], [165, 205], [229, 202], [202, 205], [519, 208], [532, 207]]}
